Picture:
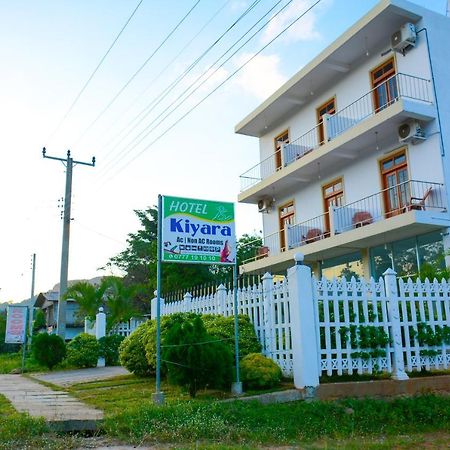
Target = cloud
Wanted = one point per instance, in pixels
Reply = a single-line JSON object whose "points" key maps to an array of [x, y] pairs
{"points": [[303, 30], [260, 77]]}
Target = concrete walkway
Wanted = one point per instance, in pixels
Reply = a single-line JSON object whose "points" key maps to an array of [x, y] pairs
{"points": [[69, 377], [60, 410]]}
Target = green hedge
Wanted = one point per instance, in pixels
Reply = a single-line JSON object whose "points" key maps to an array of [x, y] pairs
{"points": [[109, 349], [48, 349], [83, 351], [259, 372], [223, 328], [132, 352]]}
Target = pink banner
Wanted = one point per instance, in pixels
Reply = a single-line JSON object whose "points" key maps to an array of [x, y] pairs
{"points": [[16, 325]]}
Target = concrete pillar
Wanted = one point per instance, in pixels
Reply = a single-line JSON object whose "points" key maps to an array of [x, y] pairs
{"points": [[390, 282], [305, 344], [187, 302], [153, 306], [221, 298], [100, 331]]}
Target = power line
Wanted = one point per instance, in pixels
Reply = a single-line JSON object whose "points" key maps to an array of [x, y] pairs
{"points": [[143, 92], [156, 101], [95, 71], [132, 144], [137, 71], [215, 89], [219, 86]]}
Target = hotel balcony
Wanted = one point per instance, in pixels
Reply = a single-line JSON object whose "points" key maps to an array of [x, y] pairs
{"points": [[398, 212], [359, 127]]}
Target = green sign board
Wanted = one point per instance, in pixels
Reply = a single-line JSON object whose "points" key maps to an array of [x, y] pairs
{"points": [[198, 231]]}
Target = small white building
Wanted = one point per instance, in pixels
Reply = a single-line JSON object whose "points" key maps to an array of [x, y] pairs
{"points": [[354, 151]]}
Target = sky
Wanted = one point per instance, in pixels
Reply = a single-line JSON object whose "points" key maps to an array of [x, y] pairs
{"points": [[48, 51]]}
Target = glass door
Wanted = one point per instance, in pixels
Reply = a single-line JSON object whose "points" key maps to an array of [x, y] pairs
{"points": [[333, 195], [327, 108], [394, 172], [283, 138], [385, 85], [286, 218]]}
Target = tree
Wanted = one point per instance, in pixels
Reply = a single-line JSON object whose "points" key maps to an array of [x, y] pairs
{"points": [[247, 247], [139, 261], [88, 297], [119, 301], [39, 321], [193, 358]]}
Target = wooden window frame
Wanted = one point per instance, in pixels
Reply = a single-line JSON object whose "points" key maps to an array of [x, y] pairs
{"points": [[283, 234], [374, 84], [277, 152], [392, 155], [324, 199], [321, 129]]}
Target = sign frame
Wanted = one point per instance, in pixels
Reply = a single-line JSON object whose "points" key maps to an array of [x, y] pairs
{"points": [[198, 231]]}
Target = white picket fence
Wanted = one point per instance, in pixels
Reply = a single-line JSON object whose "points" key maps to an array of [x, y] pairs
{"points": [[299, 321]]}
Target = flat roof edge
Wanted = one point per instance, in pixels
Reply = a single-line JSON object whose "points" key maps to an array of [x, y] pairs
{"points": [[397, 5]]}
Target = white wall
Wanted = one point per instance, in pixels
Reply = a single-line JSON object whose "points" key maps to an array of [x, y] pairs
{"points": [[362, 177]]}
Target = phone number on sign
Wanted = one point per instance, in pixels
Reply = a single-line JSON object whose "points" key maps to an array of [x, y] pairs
{"points": [[205, 258]]}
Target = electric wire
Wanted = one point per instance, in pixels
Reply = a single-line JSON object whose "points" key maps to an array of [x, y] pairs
{"points": [[136, 73], [156, 78], [215, 89], [157, 100], [94, 72], [132, 144]]}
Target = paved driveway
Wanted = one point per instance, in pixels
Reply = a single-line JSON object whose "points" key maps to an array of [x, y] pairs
{"points": [[70, 377]]}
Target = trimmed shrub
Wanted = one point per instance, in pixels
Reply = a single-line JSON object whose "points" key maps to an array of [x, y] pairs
{"points": [[149, 337], [193, 358], [48, 349], [83, 351], [259, 372], [109, 349], [223, 328], [132, 352]]}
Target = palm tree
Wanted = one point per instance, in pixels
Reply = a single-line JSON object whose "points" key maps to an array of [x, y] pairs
{"points": [[88, 297], [119, 301]]}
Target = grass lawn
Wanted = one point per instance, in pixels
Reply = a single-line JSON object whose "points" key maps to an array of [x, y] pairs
{"points": [[13, 362], [132, 417]]}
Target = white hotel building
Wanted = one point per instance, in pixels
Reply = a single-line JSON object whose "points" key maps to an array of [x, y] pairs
{"points": [[354, 167]]}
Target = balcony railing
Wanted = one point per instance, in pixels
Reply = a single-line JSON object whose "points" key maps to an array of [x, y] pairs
{"points": [[399, 86], [388, 203]]}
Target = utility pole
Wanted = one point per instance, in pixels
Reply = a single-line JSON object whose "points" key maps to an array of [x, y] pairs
{"points": [[69, 163], [31, 308]]}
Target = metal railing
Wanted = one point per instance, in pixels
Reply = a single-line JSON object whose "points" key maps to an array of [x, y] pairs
{"points": [[309, 231], [261, 170], [408, 196], [390, 202], [379, 98]]}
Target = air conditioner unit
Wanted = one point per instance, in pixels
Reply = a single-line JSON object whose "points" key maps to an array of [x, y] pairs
{"points": [[265, 204], [410, 131], [404, 38]]}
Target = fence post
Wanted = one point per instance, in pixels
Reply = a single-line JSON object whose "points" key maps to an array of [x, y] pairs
{"points": [[390, 283], [153, 306], [187, 302], [268, 325], [221, 296], [303, 326], [100, 331]]}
